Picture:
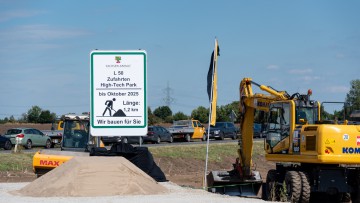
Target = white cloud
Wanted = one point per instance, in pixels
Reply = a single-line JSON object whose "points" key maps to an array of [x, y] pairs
{"points": [[300, 71], [339, 56], [338, 89], [272, 67], [39, 33], [309, 78], [13, 14]]}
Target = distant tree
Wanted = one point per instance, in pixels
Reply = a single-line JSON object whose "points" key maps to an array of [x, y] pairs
{"points": [[224, 112], [23, 118], [53, 117], [6, 119], [152, 119], [163, 112], [33, 114], [353, 97], [180, 116], [45, 117], [201, 114], [169, 119], [352, 100], [325, 115], [12, 119]]}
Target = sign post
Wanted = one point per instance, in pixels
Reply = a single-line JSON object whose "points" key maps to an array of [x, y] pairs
{"points": [[118, 93]]}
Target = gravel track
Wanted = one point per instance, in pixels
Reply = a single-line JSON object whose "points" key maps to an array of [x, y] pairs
{"points": [[176, 194]]}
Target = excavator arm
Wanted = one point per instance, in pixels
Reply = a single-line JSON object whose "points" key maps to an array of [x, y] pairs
{"points": [[249, 102], [242, 180]]}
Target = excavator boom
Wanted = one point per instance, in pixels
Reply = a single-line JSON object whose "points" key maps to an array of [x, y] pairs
{"points": [[242, 180]]}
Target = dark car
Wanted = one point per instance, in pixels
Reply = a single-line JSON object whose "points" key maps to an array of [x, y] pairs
{"points": [[257, 130], [5, 143], [132, 139], [108, 140], [223, 130], [157, 134]]}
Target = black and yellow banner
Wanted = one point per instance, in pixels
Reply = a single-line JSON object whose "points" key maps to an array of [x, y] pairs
{"points": [[212, 82]]}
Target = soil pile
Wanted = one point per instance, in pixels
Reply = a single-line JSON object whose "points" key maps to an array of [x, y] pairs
{"points": [[93, 176]]}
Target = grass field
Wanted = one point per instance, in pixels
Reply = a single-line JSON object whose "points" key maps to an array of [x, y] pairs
{"points": [[23, 161]]}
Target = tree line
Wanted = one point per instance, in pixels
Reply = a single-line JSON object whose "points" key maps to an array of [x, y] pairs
{"points": [[229, 112]]}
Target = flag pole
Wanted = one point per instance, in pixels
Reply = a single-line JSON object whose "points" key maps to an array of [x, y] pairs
{"points": [[210, 113]]}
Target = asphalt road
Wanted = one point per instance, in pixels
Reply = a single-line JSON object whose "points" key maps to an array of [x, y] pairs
{"points": [[162, 144]]}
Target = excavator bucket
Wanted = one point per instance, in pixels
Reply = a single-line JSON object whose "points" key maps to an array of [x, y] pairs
{"points": [[224, 182]]}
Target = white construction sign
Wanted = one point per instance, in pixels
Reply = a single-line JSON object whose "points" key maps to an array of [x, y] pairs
{"points": [[118, 93]]}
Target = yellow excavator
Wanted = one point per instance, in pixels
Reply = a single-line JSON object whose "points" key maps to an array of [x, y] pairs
{"points": [[76, 141], [312, 156]]}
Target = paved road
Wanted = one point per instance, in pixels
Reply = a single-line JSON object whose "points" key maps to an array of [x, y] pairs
{"points": [[163, 144]]}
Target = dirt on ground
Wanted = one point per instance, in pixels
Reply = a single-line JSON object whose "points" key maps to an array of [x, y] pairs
{"points": [[182, 171], [187, 172]]}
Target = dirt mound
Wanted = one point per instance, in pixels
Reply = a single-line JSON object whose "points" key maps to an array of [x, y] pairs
{"points": [[93, 176]]}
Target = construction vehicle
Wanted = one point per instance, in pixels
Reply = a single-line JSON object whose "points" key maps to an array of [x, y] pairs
{"points": [[311, 157], [77, 141], [187, 130]]}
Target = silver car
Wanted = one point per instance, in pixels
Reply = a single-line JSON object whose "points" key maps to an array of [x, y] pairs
{"points": [[28, 137]]}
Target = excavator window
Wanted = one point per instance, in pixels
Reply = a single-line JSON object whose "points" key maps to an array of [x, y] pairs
{"points": [[75, 134], [307, 114], [278, 123]]}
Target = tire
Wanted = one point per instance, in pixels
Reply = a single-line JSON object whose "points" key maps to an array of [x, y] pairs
{"points": [[355, 195], [28, 144], [48, 144], [305, 187], [293, 186], [171, 140], [204, 137], [7, 145], [271, 190], [187, 138], [125, 140], [158, 140], [234, 136], [346, 197], [222, 137]]}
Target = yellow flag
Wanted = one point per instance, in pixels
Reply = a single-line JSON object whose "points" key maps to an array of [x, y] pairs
{"points": [[212, 82]]}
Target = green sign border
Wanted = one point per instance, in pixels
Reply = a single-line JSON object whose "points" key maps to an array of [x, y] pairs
{"points": [[92, 87]]}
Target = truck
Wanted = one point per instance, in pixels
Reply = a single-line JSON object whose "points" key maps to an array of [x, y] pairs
{"points": [[312, 157], [187, 130], [76, 141], [55, 136]]}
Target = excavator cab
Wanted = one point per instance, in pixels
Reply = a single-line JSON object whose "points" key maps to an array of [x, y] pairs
{"points": [[284, 118], [76, 134]]}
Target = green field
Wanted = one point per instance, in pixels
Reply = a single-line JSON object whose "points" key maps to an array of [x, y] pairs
{"points": [[23, 161]]}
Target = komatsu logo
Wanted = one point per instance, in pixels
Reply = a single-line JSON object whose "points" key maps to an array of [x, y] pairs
{"points": [[351, 150]]}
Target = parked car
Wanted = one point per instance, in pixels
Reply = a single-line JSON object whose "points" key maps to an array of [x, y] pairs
{"points": [[157, 134], [5, 143], [132, 139], [223, 130], [257, 130], [108, 140], [28, 137]]}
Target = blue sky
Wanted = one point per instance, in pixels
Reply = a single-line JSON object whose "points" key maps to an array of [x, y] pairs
{"points": [[289, 45]]}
